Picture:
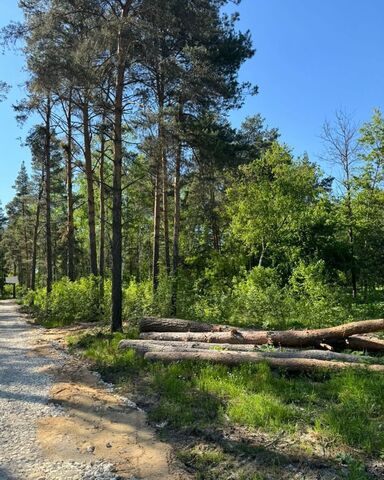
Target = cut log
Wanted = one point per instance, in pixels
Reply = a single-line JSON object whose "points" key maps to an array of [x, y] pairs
{"points": [[232, 337], [151, 344], [154, 324], [238, 358], [372, 345], [287, 338], [144, 346]]}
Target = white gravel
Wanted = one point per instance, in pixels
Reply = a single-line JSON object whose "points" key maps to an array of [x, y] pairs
{"points": [[24, 398]]}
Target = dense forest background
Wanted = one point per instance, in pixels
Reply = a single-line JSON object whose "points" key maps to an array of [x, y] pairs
{"points": [[143, 199]]}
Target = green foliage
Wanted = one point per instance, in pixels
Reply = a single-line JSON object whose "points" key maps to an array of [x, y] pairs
{"points": [[137, 299], [69, 302], [260, 299]]}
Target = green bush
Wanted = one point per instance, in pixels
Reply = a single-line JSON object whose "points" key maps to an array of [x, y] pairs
{"points": [[137, 299], [70, 302], [314, 303], [259, 299]]}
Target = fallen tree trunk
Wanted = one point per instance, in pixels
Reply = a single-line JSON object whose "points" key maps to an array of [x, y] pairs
{"points": [[154, 324], [287, 338], [145, 346], [237, 358], [232, 337], [151, 344], [372, 345]]}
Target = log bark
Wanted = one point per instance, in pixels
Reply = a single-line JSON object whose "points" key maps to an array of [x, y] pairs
{"points": [[154, 324], [357, 342], [238, 358], [144, 346], [288, 338]]}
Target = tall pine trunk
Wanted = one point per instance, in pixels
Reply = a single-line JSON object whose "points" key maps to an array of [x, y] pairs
{"points": [[36, 230], [156, 227], [90, 190], [48, 229], [176, 227], [117, 288], [102, 214], [164, 165], [70, 216]]}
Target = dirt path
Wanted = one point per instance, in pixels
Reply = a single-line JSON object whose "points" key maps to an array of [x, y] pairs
{"points": [[58, 421]]}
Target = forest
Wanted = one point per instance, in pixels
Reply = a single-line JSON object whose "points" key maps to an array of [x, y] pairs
{"points": [[143, 200]]}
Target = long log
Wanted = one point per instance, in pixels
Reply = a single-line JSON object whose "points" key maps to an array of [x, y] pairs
{"points": [[151, 344], [154, 324], [144, 346], [287, 338], [238, 358]]}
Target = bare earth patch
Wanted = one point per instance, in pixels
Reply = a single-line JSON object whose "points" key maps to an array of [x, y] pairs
{"points": [[99, 425]]}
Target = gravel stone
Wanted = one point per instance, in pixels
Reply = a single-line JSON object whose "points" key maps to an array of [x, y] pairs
{"points": [[24, 399]]}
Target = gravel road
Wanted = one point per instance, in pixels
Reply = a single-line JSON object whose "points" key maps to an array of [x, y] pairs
{"points": [[24, 399]]}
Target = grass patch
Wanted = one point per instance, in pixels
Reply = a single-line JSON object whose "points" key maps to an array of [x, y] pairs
{"points": [[347, 406]]}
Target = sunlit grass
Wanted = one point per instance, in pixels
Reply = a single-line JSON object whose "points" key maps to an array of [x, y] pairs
{"points": [[347, 406]]}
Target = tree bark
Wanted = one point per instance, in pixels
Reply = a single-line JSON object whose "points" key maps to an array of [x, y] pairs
{"points": [[164, 163], [117, 288], [36, 230], [176, 227], [102, 214], [238, 358], [48, 195], [144, 346], [90, 189], [288, 338], [156, 230], [70, 214], [154, 324], [356, 342]]}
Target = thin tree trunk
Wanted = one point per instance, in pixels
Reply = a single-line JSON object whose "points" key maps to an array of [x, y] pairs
{"points": [[90, 190], [27, 273], [156, 229], [117, 292], [214, 221], [36, 231], [165, 211], [176, 227], [48, 195], [70, 216], [102, 214]]}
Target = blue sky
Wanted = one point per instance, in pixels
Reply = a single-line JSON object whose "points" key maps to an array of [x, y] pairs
{"points": [[312, 58]]}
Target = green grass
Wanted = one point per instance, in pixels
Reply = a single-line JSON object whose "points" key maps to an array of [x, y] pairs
{"points": [[345, 409]]}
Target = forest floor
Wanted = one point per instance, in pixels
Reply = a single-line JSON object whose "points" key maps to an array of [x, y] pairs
{"points": [[60, 421], [183, 421], [249, 423]]}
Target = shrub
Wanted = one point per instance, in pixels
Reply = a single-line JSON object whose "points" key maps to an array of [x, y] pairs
{"points": [[137, 299], [259, 299], [69, 302]]}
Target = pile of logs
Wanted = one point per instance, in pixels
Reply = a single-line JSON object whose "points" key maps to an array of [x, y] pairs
{"points": [[171, 340]]}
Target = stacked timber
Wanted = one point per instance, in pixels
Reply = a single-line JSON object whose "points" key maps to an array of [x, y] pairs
{"points": [[171, 340]]}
